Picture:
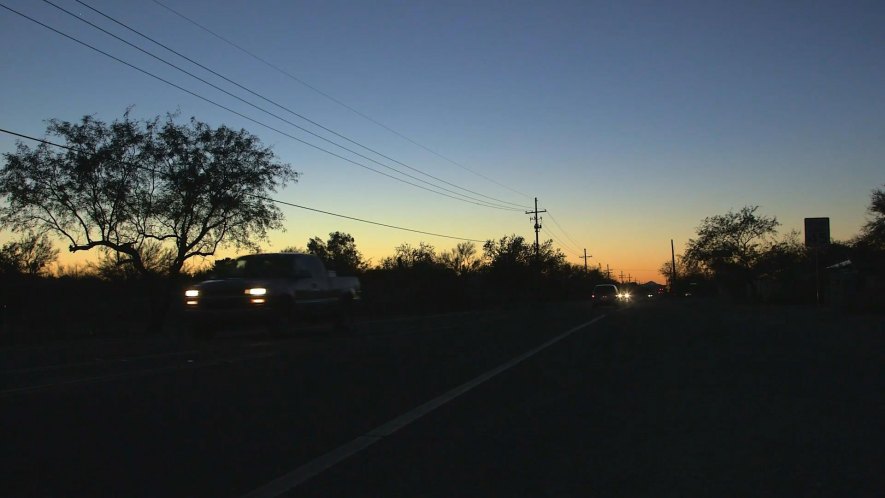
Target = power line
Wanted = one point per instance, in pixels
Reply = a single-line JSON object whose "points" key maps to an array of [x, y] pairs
{"points": [[551, 234], [287, 109], [561, 242], [368, 221], [250, 119], [563, 230], [270, 199], [572, 248], [333, 99], [251, 104]]}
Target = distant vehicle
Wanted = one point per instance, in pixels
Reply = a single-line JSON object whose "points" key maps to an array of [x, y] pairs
{"points": [[658, 292], [275, 290], [608, 294]]}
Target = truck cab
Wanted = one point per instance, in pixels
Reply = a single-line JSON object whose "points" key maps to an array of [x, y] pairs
{"points": [[272, 289]]}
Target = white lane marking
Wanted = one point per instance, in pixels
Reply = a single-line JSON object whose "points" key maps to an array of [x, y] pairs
{"points": [[287, 482]]}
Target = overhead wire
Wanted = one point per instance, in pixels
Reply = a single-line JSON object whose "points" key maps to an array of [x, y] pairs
{"points": [[248, 118], [287, 109], [270, 199], [551, 234], [335, 100], [471, 200], [565, 245], [552, 218], [570, 248], [290, 204]]}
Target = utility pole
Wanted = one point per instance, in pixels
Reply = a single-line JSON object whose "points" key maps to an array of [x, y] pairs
{"points": [[585, 258], [537, 221], [622, 276], [608, 272], [673, 267]]}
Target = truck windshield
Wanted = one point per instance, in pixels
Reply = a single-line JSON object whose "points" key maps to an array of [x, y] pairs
{"points": [[605, 290], [269, 265]]}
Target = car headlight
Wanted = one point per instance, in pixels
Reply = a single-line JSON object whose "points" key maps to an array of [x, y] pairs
{"points": [[256, 291], [192, 293]]}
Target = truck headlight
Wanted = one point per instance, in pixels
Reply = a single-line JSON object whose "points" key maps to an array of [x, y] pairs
{"points": [[192, 293], [256, 291]]}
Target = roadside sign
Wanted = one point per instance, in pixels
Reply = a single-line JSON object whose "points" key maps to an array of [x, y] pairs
{"points": [[817, 232]]}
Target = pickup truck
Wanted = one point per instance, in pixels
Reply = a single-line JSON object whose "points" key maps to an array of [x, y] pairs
{"points": [[276, 290]]}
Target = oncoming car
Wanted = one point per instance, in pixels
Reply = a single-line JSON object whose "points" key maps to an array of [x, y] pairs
{"points": [[608, 294]]}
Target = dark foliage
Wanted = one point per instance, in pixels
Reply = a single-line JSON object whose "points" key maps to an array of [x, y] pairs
{"points": [[872, 234], [339, 253], [30, 255], [145, 190], [730, 247], [34, 309]]}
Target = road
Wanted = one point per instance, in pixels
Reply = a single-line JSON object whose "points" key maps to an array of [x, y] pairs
{"points": [[658, 398]]}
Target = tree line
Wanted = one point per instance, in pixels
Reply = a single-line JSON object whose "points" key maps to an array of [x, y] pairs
{"points": [[741, 254], [152, 196]]}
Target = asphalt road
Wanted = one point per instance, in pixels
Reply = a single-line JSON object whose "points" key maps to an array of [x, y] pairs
{"points": [[659, 398]]}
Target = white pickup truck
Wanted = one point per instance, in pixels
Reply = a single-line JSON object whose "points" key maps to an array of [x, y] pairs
{"points": [[276, 290]]}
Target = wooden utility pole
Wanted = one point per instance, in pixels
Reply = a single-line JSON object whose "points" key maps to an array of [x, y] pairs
{"points": [[673, 267], [585, 258], [537, 220]]}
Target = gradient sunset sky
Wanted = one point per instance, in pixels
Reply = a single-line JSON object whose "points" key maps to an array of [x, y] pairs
{"points": [[629, 121]]}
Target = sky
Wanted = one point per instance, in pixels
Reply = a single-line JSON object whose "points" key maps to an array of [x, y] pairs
{"points": [[629, 121]]}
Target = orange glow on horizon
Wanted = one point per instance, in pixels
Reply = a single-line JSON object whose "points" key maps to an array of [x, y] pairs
{"points": [[641, 268]]}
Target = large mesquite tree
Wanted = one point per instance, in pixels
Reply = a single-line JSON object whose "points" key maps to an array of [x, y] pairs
{"points": [[139, 187], [731, 246]]}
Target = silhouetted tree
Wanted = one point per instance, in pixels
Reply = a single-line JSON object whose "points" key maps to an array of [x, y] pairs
{"points": [[296, 249], [507, 254], [413, 278], [111, 265], [30, 255], [731, 245], [872, 234], [339, 253], [786, 254], [130, 186], [515, 272], [407, 257], [514, 253], [685, 269], [462, 259]]}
